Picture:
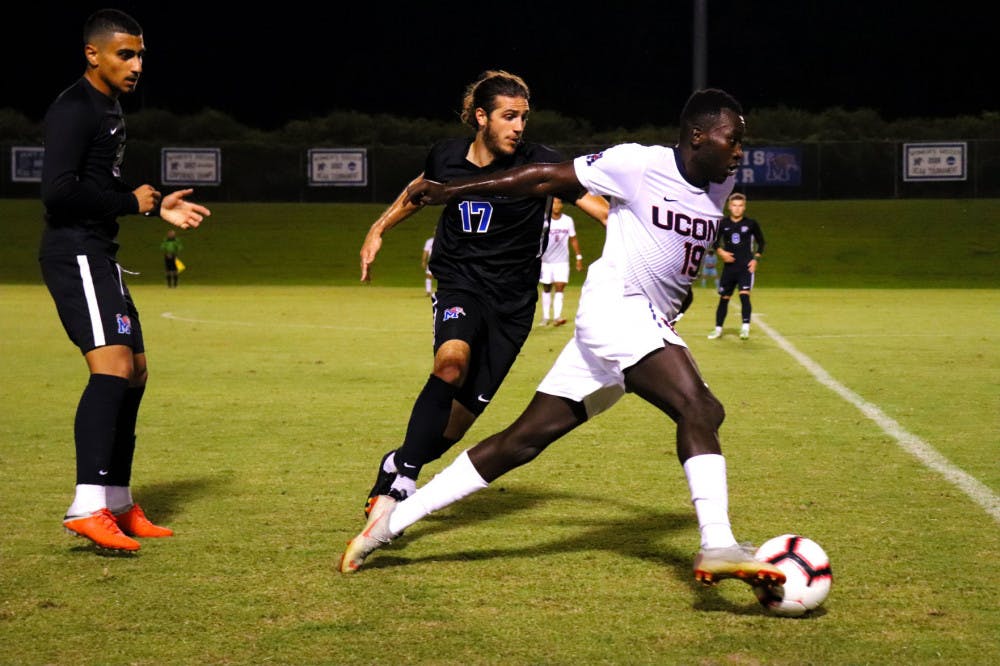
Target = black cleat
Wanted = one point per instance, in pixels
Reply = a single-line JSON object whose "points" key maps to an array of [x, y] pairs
{"points": [[383, 482]]}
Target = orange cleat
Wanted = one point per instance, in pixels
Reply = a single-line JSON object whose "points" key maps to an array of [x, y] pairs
{"points": [[135, 523], [101, 528], [559, 322]]}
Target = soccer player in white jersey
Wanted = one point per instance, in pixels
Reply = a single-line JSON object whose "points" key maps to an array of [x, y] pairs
{"points": [[425, 264], [666, 206], [555, 263]]}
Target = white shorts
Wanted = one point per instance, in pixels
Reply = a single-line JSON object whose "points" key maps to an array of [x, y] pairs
{"points": [[557, 272], [612, 333]]}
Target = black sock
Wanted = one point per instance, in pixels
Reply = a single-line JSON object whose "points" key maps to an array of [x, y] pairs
{"points": [[745, 302], [94, 429], [424, 434], [720, 312], [121, 456]]}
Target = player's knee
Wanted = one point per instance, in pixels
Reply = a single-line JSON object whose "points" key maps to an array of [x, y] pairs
{"points": [[706, 412]]}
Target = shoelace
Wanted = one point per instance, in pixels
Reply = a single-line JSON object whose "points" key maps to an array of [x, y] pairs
{"points": [[109, 520]]}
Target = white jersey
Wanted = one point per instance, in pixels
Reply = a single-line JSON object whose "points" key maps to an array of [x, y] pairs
{"points": [[560, 231], [659, 225]]}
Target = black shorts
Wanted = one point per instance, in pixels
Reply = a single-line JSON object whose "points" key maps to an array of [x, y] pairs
{"points": [[495, 340], [93, 302], [170, 263], [735, 279]]}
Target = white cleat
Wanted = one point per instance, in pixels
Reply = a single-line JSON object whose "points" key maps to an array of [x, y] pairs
{"points": [[714, 335], [375, 535]]}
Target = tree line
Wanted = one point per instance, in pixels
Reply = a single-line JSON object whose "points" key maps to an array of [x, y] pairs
{"points": [[353, 128]]}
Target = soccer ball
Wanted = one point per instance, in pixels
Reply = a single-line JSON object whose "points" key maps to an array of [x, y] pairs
{"points": [[807, 571]]}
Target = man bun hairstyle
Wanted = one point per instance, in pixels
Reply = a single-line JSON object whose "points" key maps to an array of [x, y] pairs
{"points": [[107, 22], [481, 93]]}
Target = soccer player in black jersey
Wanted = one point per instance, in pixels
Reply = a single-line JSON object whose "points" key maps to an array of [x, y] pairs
{"points": [[486, 259], [740, 245], [84, 194]]}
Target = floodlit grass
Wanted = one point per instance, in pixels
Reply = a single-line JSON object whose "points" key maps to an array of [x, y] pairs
{"points": [[277, 382], [269, 406]]}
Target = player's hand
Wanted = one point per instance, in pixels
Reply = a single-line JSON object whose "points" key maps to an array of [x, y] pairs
{"points": [[180, 212], [373, 243], [752, 266], [579, 265], [727, 257], [426, 192], [147, 197]]}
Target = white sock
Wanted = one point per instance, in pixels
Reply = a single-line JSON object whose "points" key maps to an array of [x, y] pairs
{"points": [[427, 285], [451, 484], [546, 304], [557, 304], [119, 498], [745, 327], [706, 475], [404, 485], [89, 498]]}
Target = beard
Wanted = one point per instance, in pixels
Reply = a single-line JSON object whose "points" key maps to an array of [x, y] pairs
{"points": [[494, 142]]}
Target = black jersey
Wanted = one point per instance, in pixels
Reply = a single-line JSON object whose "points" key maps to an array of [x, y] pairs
{"points": [[489, 245], [82, 187], [739, 238]]}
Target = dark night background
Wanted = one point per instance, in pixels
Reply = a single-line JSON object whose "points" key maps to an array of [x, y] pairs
{"points": [[624, 65]]}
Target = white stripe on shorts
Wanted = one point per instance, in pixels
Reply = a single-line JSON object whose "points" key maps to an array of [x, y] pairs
{"points": [[88, 291]]}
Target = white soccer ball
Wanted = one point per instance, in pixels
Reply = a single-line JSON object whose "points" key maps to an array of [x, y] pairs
{"points": [[807, 575]]}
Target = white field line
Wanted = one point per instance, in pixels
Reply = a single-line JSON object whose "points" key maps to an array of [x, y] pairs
{"points": [[921, 450]]}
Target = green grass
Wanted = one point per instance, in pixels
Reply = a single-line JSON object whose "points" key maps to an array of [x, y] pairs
{"points": [[271, 400], [913, 243]]}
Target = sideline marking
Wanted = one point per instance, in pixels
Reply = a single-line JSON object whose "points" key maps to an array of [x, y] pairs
{"points": [[257, 324], [918, 448]]}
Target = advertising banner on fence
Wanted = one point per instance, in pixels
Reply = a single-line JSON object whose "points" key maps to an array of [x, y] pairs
{"points": [[191, 166], [344, 167], [26, 164], [769, 165], [934, 161]]}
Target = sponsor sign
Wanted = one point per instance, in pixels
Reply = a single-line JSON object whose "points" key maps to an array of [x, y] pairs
{"points": [[934, 161], [343, 167], [26, 164], [191, 166]]}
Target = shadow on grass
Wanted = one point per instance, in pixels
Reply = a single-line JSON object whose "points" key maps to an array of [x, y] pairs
{"points": [[161, 501], [637, 531]]}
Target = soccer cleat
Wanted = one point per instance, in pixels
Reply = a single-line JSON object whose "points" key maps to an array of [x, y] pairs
{"points": [[101, 528], [559, 322], [714, 564], [745, 333], [135, 523], [375, 535], [717, 333], [543, 322], [383, 482]]}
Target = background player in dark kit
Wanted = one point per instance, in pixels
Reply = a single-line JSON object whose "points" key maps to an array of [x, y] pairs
{"points": [[740, 245]]}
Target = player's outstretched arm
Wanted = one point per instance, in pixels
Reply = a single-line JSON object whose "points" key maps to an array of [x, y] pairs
{"points": [[398, 210], [180, 212], [529, 180]]}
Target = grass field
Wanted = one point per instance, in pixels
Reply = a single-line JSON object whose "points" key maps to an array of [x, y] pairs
{"points": [[277, 382]]}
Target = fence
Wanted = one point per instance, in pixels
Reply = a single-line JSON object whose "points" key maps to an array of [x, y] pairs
{"points": [[268, 172]]}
